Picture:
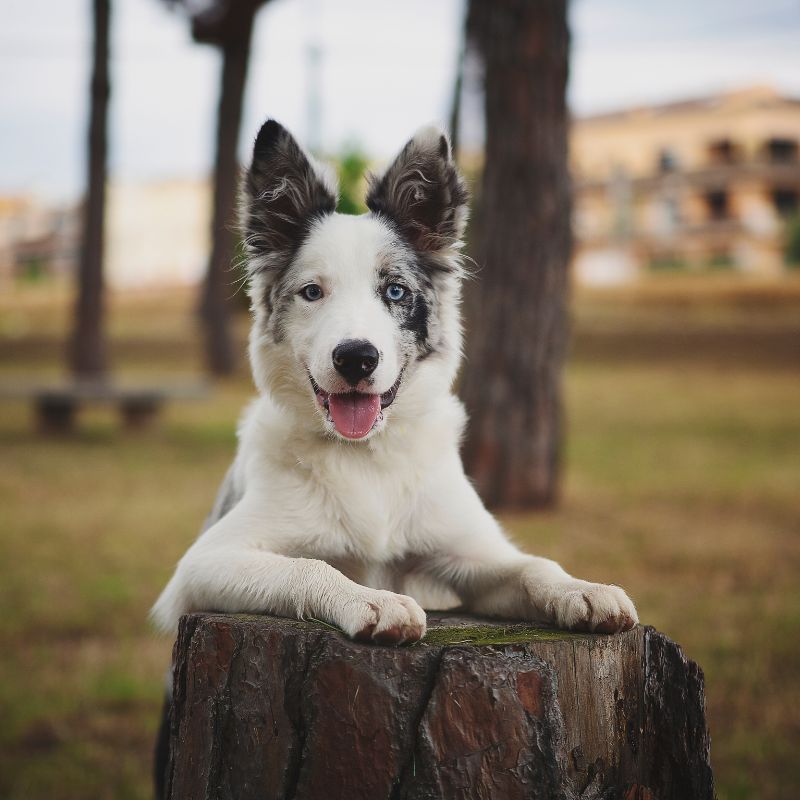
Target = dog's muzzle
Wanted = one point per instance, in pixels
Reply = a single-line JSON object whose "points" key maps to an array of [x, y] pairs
{"points": [[355, 414]]}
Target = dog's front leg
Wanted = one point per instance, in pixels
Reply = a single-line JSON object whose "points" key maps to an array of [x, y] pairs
{"points": [[491, 576], [538, 589], [229, 569]]}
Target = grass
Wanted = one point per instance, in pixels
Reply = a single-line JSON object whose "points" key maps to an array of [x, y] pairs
{"points": [[681, 483]]}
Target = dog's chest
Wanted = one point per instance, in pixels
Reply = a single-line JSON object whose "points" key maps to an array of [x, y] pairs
{"points": [[370, 516], [356, 512]]}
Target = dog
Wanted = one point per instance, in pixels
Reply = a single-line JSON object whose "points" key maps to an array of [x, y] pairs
{"points": [[347, 501]]}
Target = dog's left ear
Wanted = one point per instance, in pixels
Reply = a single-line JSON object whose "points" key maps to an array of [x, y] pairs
{"points": [[423, 193]]}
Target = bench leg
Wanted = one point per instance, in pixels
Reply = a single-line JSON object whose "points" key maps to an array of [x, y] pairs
{"points": [[55, 414], [138, 414]]}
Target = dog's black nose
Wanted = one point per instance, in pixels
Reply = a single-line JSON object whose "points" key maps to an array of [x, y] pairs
{"points": [[355, 359]]}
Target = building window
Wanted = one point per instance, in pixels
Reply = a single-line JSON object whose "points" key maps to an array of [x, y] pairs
{"points": [[785, 202], [667, 160], [781, 150], [717, 204], [672, 210], [723, 151]]}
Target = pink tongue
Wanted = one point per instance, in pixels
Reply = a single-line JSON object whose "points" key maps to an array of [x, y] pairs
{"points": [[354, 414]]}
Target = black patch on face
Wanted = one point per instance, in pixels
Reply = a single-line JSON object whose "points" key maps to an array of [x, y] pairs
{"points": [[413, 312], [417, 323], [278, 300]]}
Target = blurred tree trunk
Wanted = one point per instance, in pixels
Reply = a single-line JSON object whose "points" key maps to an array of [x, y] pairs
{"points": [[88, 347], [455, 103], [517, 338], [219, 286]]}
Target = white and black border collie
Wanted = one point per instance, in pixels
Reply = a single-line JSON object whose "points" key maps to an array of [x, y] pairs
{"points": [[347, 501]]}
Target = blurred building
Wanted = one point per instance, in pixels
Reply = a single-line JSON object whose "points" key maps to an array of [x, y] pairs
{"points": [[701, 183], [157, 234], [36, 239], [706, 182]]}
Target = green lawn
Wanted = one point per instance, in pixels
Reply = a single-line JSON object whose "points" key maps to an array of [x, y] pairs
{"points": [[682, 482]]}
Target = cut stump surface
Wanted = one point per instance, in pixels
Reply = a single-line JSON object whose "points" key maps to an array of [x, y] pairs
{"points": [[276, 709]]}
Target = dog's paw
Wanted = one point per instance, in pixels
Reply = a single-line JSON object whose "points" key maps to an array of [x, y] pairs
{"points": [[384, 617], [582, 606]]}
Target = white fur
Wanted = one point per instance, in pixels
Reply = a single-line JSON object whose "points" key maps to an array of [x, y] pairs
{"points": [[352, 532]]}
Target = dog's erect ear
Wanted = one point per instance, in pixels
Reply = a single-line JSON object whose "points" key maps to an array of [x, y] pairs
{"points": [[285, 191], [423, 193]]}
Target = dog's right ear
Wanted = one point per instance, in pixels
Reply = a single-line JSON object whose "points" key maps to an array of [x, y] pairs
{"points": [[285, 191]]}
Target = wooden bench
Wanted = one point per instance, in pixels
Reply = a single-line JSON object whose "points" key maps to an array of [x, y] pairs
{"points": [[56, 405]]}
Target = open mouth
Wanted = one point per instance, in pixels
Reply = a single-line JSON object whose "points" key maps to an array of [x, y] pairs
{"points": [[354, 414]]}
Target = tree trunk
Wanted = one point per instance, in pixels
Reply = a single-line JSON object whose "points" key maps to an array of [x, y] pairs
{"points": [[517, 321], [220, 283], [455, 103], [275, 709], [87, 355]]}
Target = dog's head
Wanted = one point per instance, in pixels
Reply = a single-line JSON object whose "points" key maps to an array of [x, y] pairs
{"points": [[351, 312]]}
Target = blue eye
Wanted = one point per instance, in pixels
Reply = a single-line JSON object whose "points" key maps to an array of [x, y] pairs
{"points": [[311, 292], [395, 292]]}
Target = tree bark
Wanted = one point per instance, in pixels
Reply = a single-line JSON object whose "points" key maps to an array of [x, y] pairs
{"points": [[220, 283], [275, 709], [517, 309], [87, 356]]}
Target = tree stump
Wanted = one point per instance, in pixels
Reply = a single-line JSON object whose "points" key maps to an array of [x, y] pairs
{"points": [[276, 709]]}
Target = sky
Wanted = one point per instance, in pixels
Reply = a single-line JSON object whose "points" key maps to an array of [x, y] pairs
{"points": [[387, 67]]}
